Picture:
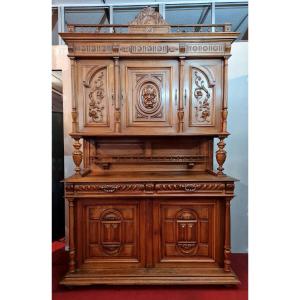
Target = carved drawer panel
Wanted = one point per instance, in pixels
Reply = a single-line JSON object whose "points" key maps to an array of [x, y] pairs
{"points": [[203, 92], [147, 92], [187, 232], [112, 233], [95, 95]]}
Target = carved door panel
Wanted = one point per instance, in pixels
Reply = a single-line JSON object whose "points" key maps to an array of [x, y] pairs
{"points": [[148, 92], [95, 95], [187, 233], [112, 234], [203, 96]]}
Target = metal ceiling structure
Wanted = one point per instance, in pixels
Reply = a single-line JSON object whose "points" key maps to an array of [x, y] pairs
{"points": [[173, 11]]}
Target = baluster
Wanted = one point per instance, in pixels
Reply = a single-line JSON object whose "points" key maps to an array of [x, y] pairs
{"points": [[221, 155], [77, 155]]}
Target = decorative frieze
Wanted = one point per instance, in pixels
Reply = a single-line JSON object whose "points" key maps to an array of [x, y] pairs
{"points": [[139, 48], [148, 187]]}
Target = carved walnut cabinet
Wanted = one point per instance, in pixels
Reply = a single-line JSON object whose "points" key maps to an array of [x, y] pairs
{"points": [[145, 206]]}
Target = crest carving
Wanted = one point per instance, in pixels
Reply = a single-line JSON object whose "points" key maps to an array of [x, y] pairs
{"points": [[147, 18]]}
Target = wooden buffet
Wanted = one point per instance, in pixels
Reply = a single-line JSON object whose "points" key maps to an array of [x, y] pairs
{"points": [[145, 206]]}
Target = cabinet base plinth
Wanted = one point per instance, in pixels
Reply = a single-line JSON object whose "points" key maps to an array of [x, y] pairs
{"points": [[151, 277]]}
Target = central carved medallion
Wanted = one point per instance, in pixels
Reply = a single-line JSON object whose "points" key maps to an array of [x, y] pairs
{"points": [[149, 96], [148, 104]]}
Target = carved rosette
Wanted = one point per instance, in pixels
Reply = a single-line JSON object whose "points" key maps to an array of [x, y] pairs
{"points": [[77, 155], [221, 155], [202, 98]]}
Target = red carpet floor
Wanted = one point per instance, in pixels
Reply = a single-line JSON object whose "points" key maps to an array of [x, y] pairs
{"points": [[59, 262]]}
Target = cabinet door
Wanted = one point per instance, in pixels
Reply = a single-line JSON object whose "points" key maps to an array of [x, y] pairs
{"points": [[95, 91], [148, 92], [111, 234], [203, 95], [185, 233]]}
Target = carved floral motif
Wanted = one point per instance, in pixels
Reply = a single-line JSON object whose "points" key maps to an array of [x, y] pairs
{"points": [[97, 96], [202, 98]]}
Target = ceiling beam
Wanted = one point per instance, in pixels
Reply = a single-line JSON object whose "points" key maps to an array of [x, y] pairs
{"points": [[202, 18], [241, 23], [245, 36], [203, 15]]}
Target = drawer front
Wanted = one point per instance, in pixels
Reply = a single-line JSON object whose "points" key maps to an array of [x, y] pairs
{"points": [[111, 233], [185, 232]]}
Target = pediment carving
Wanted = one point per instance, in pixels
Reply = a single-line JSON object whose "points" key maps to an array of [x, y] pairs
{"points": [[148, 20]]}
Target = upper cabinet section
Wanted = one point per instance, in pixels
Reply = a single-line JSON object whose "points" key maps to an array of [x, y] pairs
{"points": [[149, 80], [147, 96]]}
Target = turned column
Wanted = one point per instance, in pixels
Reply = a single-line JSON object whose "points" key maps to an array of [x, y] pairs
{"points": [[77, 155], [221, 155], [225, 95], [180, 112], [116, 101], [227, 248], [72, 250], [74, 95]]}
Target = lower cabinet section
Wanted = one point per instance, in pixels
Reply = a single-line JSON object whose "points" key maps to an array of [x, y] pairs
{"points": [[149, 241], [148, 233]]}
